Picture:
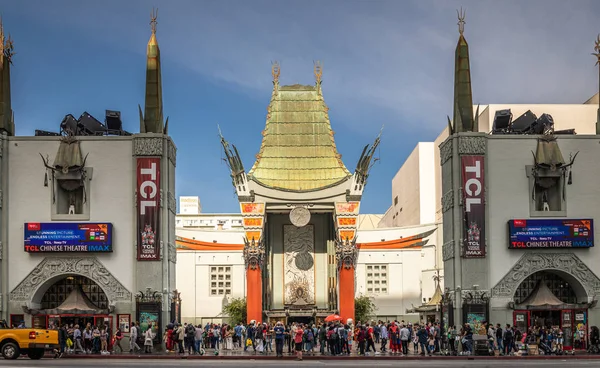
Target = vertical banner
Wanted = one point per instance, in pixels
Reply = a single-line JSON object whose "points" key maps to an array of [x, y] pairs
{"points": [[148, 208], [473, 184]]}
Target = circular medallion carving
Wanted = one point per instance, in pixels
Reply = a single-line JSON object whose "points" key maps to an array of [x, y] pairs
{"points": [[299, 216], [304, 261]]}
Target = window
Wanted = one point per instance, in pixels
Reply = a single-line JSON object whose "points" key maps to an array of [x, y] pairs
{"points": [[377, 279], [396, 200], [546, 193], [70, 195], [220, 280]]}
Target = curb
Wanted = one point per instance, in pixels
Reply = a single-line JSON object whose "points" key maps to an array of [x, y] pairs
{"points": [[320, 357]]}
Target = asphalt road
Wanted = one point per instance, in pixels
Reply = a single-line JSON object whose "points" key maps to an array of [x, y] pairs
{"points": [[61, 363]]}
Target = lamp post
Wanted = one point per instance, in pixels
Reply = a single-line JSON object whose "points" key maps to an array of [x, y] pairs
{"points": [[597, 55]]}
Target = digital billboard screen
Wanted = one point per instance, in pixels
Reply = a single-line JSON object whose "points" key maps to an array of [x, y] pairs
{"points": [[550, 233], [64, 237]]}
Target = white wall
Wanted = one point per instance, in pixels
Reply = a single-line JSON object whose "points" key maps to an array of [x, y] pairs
{"points": [[404, 287], [111, 200], [193, 281], [508, 195]]}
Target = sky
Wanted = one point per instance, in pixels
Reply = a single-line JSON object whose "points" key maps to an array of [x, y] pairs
{"points": [[385, 63]]}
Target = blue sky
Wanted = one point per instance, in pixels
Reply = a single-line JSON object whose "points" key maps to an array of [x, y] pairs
{"points": [[385, 63]]}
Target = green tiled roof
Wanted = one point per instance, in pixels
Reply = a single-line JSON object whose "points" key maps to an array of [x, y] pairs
{"points": [[298, 152]]}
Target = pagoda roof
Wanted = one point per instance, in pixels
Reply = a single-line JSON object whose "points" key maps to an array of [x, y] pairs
{"points": [[298, 151]]}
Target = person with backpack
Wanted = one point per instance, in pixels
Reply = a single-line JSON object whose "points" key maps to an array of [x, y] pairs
{"points": [[508, 339], [499, 337], [190, 333], [309, 339]]}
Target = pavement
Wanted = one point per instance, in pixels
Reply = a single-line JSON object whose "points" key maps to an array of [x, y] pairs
{"points": [[91, 362]]}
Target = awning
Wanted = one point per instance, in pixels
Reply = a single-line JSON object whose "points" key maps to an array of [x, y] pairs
{"points": [[76, 303], [543, 298]]}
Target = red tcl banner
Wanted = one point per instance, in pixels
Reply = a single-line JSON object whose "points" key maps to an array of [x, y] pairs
{"points": [[473, 185], [148, 209]]}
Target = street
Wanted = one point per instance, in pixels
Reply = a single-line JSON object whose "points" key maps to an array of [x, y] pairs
{"points": [[94, 362]]}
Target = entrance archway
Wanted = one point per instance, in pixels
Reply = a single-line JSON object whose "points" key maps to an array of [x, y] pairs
{"points": [[569, 292], [56, 294]]}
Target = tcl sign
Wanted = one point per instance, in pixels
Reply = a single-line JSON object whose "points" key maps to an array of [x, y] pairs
{"points": [[473, 193], [148, 187], [148, 204], [473, 184]]}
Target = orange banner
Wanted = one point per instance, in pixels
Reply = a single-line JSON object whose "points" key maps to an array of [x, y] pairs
{"points": [[253, 235], [347, 207], [346, 221], [347, 234], [249, 208], [253, 222]]}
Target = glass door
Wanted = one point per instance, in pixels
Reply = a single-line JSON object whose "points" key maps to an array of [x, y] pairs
{"points": [[521, 319], [567, 328]]}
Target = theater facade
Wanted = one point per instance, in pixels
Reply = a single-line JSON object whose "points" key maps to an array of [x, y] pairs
{"points": [[87, 229], [519, 211]]}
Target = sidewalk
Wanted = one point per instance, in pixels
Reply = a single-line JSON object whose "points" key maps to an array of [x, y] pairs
{"points": [[240, 355]]}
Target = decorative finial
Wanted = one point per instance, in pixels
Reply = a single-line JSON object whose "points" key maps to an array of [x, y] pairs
{"points": [[597, 49], [318, 71], [153, 21], [275, 71], [461, 20]]}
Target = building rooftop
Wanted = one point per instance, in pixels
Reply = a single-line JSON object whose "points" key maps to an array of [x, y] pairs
{"points": [[298, 151]]}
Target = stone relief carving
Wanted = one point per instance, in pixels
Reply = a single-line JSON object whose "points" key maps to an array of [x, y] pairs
{"points": [[147, 146], [445, 151], [299, 264], [54, 266], [448, 250], [447, 201], [475, 296], [531, 263], [172, 202], [172, 152], [254, 253], [346, 253], [299, 216], [472, 145], [172, 253]]}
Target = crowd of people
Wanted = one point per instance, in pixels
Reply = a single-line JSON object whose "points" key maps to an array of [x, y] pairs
{"points": [[329, 338]]}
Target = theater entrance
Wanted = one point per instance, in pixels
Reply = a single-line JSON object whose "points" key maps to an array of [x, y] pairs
{"points": [[545, 300]]}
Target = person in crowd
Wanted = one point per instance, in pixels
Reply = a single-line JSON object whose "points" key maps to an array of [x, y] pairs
{"points": [[279, 332], [298, 338], [148, 339], [383, 332], [404, 338], [422, 335], [118, 336]]}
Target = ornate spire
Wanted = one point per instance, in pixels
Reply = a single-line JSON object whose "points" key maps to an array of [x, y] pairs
{"points": [[461, 20], [463, 120], [318, 70], [597, 55], [275, 71], [7, 123], [151, 121]]}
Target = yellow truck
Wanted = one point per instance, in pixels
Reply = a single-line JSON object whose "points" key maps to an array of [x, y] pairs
{"points": [[15, 342]]}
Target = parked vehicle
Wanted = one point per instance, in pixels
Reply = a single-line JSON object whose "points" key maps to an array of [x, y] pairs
{"points": [[15, 342]]}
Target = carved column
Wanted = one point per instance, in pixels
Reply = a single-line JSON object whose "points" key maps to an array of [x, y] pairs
{"points": [[346, 254], [254, 255]]}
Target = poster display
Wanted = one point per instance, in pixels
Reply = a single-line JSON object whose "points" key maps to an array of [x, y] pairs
{"points": [[148, 208], [63, 237], [551, 233], [473, 192]]}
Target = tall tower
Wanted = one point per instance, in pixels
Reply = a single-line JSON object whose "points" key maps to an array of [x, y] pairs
{"points": [[7, 123], [151, 121], [463, 97]]}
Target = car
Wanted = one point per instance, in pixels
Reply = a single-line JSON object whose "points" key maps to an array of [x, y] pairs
{"points": [[32, 342]]}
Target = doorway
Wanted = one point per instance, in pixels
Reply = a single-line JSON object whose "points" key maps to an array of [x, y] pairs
{"points": [[303, 320]]}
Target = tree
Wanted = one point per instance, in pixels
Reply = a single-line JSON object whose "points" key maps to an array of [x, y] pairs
{"points": [[236, 310], [363, 308]]}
